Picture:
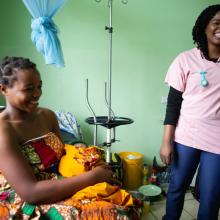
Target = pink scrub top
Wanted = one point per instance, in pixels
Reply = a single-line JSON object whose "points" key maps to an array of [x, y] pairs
{"points": [[199, 122]]}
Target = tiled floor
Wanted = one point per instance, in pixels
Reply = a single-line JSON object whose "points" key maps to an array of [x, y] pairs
{"points": [[157, 209]]}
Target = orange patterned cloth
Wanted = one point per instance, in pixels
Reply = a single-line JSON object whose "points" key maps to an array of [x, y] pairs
{"points": [[43, 154]]}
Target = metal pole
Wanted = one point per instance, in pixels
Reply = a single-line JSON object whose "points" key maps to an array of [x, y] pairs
{"points": [[92, 112], [110, 30], [108, 146]]}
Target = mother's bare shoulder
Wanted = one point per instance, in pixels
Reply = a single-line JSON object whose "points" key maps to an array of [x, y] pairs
{"points": [[4, 123], [45, 112], [49, 117], [7, 132]]}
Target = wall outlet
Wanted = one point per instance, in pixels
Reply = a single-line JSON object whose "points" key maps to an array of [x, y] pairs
{"points": [[164, 100]]}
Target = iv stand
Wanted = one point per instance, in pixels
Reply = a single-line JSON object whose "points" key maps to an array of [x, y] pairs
{"points": [[110, 121], [109, 84], [110, 31]]}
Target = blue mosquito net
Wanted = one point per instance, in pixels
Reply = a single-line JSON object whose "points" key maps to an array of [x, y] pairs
{"points": [[44, 30]]}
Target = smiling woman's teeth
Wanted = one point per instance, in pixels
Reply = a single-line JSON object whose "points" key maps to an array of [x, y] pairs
{"points": [[217, 35], [34, 102]]}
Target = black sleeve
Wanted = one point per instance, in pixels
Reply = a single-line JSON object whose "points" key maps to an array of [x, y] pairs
{"points": [[174, 102]]}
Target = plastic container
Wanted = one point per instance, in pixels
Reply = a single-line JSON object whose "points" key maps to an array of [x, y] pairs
{"points": [[132, 169], [145, 172]]}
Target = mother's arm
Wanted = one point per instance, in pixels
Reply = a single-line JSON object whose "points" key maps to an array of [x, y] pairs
{"points": [[21, 177]]}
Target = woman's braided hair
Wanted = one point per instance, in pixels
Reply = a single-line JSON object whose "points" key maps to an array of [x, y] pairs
{"points": [[9, 66], [198, 31]]}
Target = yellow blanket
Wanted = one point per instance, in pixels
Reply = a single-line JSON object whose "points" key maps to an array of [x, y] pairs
{"points": [[79, 160], [106, 192]]}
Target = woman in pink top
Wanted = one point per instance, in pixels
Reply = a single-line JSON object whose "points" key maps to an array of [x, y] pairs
{"points": [[192, 123]]}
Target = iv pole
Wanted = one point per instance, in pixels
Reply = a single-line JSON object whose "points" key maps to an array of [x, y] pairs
{"points": [[110, 31], [109, 84], [110, 121]]}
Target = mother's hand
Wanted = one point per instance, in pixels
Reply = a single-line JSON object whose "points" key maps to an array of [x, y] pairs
{"points": [[103, 173]]}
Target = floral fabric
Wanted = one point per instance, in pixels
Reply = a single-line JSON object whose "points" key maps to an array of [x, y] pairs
{"points": [[78, 160], [43, 155]]}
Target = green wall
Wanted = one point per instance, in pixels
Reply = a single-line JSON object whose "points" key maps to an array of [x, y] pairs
{"points": [[148, 34]]}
